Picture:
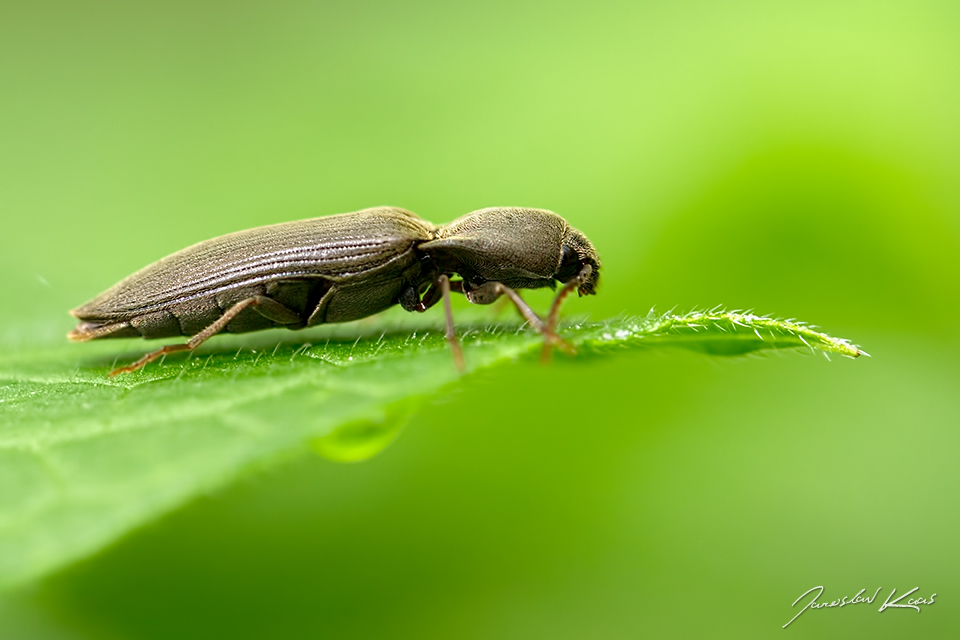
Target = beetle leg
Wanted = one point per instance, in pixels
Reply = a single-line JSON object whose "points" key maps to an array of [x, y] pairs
{"points": [[440, 290], [502, 305], [319, 313], [554, 316], [444, 283], [528, 314], [150, 357], [490, 291], [273, 310]]}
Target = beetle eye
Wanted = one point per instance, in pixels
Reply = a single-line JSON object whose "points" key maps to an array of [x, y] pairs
{"points": [[569, 264]]}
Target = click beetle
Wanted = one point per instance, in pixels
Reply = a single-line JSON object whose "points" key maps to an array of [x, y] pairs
{"points": [[344, 267]]}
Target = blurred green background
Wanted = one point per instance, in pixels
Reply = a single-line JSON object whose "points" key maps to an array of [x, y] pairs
{"points": [[800, 159]]}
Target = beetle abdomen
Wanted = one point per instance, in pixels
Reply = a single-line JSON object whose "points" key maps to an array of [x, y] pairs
{"points": [[192, 316]]}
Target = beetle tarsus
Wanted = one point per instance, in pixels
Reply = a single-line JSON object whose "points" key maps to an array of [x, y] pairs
{"points": [[150, 357]]}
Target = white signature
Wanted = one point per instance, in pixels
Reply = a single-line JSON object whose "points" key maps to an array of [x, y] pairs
{"points": [[912, 603]]}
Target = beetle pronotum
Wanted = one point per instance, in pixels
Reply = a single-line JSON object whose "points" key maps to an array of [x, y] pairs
{"points": [[344, 267]]}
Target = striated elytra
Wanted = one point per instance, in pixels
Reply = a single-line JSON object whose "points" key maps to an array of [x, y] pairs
{"points": [[344, 267]]}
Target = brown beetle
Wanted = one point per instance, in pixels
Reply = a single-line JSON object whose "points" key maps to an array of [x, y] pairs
{"points": [[341, 268]]}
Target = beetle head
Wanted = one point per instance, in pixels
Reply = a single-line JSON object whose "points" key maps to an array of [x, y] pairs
{"points": [[577, 253], [521, 248]]}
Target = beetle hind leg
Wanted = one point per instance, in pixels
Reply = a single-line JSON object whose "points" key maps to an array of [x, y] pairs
{"points": [[267, 307], [150, 357]]}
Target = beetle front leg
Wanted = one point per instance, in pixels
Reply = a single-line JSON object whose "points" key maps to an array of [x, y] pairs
{"points": [[554, 316], [488, 292], [568, 287]]}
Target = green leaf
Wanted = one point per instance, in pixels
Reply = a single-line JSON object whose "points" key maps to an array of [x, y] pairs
{"points": [[85, 458]]}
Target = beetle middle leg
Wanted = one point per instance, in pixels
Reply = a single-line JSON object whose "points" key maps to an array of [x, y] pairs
{"points": [[267, 307], [440, 290]]}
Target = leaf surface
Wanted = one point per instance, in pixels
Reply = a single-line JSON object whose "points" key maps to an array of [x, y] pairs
{"points": [[85, 458]]}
